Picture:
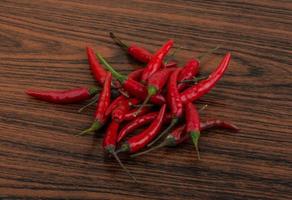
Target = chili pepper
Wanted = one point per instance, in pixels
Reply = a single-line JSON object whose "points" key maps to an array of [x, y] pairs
{"points": [[133, 87], [64, 96], [139, 141], [193, 124], [109, 145], [156, 61], [114, 104], [120, 111], [175, 103], [97, 70], [190, 70], [136, 75], [156, 83], [102, 105], [139, 122], [204, 86], [178, 135], [139, 53], [130, 115]]}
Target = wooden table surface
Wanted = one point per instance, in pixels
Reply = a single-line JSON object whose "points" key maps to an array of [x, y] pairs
{"points": [[42, 45]]}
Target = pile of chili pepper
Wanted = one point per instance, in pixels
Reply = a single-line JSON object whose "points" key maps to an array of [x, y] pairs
{"points": [[150, 108]]}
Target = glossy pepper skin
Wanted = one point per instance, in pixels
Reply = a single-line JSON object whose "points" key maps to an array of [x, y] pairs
{"points": [[64, 96], [189, 71], [136, 74], [139, 141], [156, 83], [114, 104], [97, 70], [131, 114], [193, 124], [102, 105], [179, 135], [174, 102], [134, 88], [195, 92], [120, 111], [139, 122], [156, 61]]}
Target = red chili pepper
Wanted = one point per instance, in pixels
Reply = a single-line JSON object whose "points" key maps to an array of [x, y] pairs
{"points": [[102, 106], [156, 61], [139, 53], [114, 104], [133, 87], [139, 141], [136, 75], [64, 96], [190, 70], [132, 113], [156, 83], [193, 124], [109, 144], [120, 111], [203, 87], [178, 135], [139, 122], [175, 103], [97, 70]]}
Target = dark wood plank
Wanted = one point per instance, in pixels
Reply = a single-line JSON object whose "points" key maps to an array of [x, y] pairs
{"points": [[42, 46]]}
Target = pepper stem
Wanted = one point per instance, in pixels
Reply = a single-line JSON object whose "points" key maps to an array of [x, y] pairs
{"points": [[94, 127], [94, 100], [203, 55], [172, 124], [152, 90], [118, 41], [163, 144], [122, 165], [195, 135], [116, 74]]}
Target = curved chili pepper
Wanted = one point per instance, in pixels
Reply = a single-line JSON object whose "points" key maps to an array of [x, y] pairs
{"points": [[102, 105], [133, 87], [64, 96], [178, 135], [204, 86], [175, 103], [139, 122], [156, 83], [97, 70], [139, 141], [193, 124], [156, 61], [109, 144]]}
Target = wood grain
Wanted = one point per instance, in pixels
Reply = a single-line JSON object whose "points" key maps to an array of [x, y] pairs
{"points": [[42, 46]]}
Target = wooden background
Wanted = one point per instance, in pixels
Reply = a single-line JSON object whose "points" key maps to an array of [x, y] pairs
{"points": [[42, 45]]}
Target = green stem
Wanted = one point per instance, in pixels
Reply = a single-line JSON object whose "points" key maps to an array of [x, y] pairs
{"points": [[95, 98], [116, 74], [94, 127], [152, 90], [203, 55], [122, 165], [195, 135], [172, 124], [195, 79], [118, 41], [163, 144]]}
